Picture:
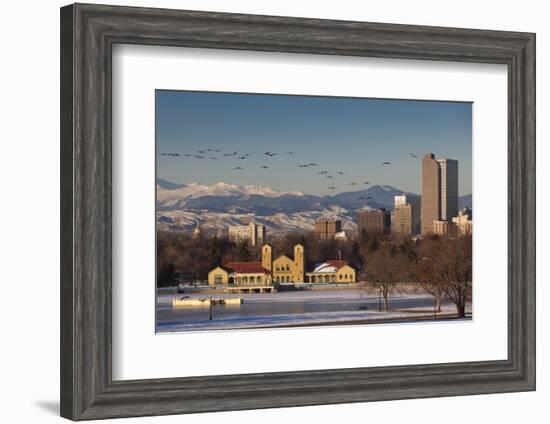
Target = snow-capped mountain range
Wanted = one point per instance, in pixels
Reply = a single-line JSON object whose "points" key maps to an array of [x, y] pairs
{"points": [[181, 207]]}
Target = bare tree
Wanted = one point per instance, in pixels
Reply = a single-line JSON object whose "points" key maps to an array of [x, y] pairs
{"points": [[386, 266], [446, 268]]}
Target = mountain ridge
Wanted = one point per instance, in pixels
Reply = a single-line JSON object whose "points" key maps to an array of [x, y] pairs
{"points": [[181, 207]]}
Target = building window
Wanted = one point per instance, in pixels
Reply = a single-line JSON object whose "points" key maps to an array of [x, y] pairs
{"points": [[218, 279]]}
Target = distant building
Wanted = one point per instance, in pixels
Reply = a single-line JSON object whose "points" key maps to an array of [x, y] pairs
{"points": [[261, 276], [431, 183], [239, 273], [264, 272], [406, 215], [449, 188], [335, 271], [402, 223], [326, 229], [341, 236], [375, 221], [463, 221], [284, 269], [442, 228], [253, 233], [439, 191], [222, 232]]}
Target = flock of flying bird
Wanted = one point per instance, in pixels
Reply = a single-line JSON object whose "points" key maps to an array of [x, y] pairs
{"points": [[211, 154]]}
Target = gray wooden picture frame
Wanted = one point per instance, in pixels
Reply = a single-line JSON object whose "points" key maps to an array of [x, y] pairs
{"points": [[88, 33]]}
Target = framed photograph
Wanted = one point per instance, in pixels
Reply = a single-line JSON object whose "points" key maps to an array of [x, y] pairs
{"points": [[265, 211]]}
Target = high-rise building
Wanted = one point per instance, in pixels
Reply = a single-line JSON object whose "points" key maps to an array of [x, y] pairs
{"points": [[326, 229], [402, 223], [431, 186], [406, 214], [449, 188], [253, 233], [439, 191], [463, 221], [375, 221]]}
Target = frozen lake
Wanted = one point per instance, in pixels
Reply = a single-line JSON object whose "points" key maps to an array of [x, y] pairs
{"points": [[316, 307]]}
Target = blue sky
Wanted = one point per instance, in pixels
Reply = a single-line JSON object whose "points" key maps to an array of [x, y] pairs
{"points": [[351, 135]]}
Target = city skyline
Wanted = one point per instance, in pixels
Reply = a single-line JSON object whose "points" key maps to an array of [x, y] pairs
{"points": [[288, 142]]}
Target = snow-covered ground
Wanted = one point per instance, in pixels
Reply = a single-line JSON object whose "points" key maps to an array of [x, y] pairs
{"points": [[307, 308], [309, 319]]}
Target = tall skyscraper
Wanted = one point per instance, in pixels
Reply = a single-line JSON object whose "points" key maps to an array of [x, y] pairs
{"points": [[439, 191], [449, 188], [431, 185]]}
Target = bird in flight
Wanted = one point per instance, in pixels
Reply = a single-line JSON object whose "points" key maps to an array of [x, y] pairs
{"points": [[216, 150], [332, 188], [341, 173], [289, 153], [367, 182], [312, 164], [242, 157], [270, 154], [237, 168], [264, 167], [413, 156], [202, 152], [231, 154], [386, 163], [212, 157], [353, 184], [322, 173], [174, 155], [329, 176], [199, 157], [303, 166]]}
